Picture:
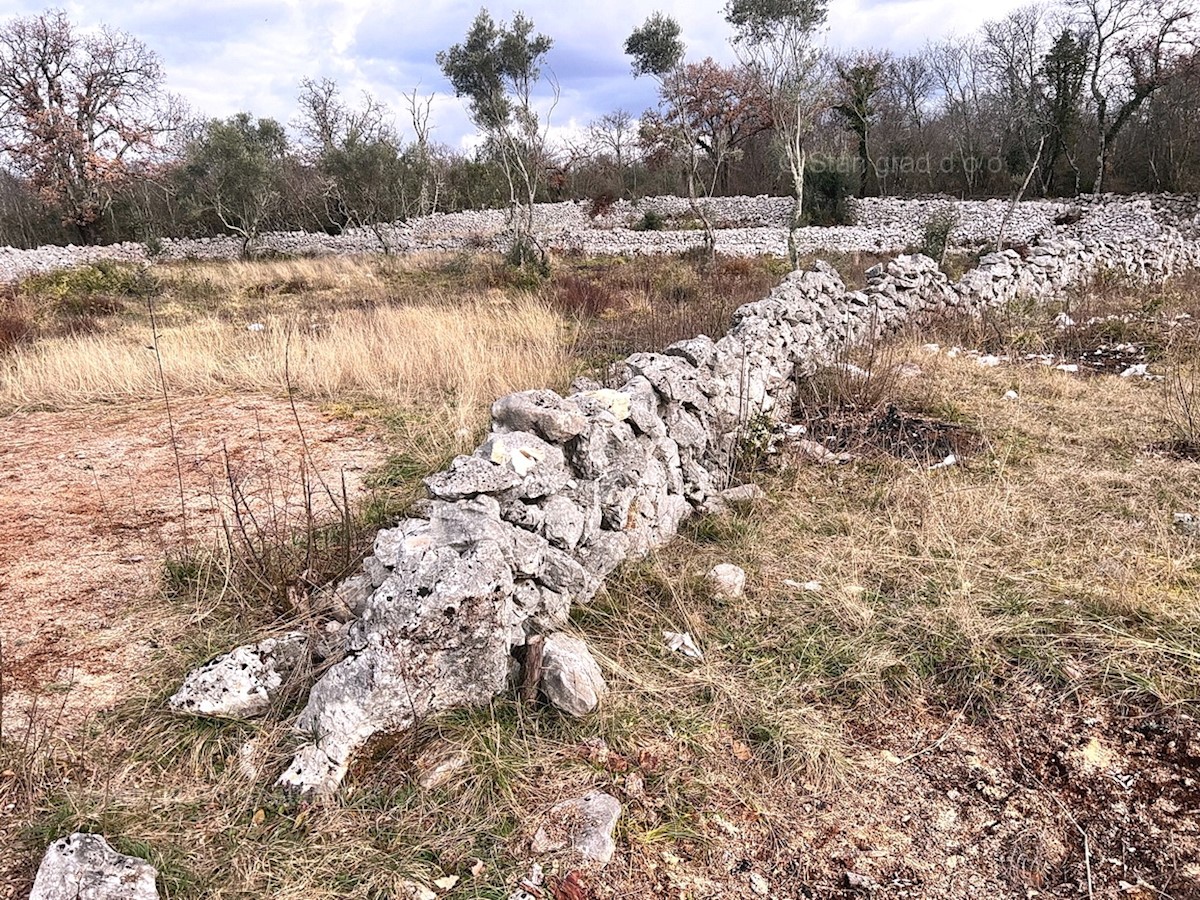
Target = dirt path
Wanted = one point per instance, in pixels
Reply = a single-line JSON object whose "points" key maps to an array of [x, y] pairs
{"points": [[89, 505]]}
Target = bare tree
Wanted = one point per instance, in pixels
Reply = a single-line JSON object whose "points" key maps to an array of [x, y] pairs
{"points": [[1012, 52], [1135, 49], [76, 109], [614, 134], [958, 72], [419, 109]]}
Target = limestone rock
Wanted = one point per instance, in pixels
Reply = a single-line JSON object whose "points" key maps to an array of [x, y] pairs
{"points": [[607, 400], [243, 683], [436, 635], [571, 679], [727, 580], [346, 601], [583, 827], [542, 412], [438, 764], [743, 493], [469, 476], [84, 867], [540, 466]]}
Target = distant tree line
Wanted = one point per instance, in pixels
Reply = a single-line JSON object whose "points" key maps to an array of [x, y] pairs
{"points": [[1083, 96]]}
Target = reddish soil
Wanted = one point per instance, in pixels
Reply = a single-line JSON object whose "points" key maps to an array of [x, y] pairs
{"points": [[91, 504]]}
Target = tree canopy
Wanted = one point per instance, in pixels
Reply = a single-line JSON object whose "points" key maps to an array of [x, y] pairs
{"points": [[76, 109]]}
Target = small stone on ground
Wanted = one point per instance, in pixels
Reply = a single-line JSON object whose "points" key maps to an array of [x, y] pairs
{"points": [[84, 867]]}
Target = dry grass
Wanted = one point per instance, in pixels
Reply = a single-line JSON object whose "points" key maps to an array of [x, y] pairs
{"points": [[463, 353], [1044, 564]]}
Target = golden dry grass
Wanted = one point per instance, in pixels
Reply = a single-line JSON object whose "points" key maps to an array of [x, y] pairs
{"points": [[460, 354]]}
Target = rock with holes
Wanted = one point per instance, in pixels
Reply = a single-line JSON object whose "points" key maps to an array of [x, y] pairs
{"points": [[84, 867], [245, 682], [469, 476], [571, 679], [582, 828], [436, 635]]}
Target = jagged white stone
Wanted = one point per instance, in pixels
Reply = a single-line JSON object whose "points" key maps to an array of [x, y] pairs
{"points": [[584, 827], [84, 867], [727, 580], [571, 678], [243, 683]]}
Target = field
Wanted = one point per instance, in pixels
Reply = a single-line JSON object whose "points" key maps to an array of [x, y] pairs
{"points": [[944, 681]]}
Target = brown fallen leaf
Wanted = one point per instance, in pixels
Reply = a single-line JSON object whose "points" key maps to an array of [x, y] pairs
{"points": [[648, 762], [570, 888], [617, 763], [742, 751]]}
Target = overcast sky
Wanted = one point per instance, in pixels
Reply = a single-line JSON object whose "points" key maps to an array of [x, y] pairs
{"points": [[226, 56]]}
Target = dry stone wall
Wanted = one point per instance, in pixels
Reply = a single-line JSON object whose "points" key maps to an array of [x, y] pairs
{"points": [[566, 488], [748, 226]]}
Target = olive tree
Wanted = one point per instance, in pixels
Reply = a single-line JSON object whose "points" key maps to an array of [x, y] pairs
{"points": [[234, 171], [657, 50], [496, 68], [775, 39]]}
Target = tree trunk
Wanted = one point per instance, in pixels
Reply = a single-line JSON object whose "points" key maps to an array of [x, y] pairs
{"points": [[797, 162]]}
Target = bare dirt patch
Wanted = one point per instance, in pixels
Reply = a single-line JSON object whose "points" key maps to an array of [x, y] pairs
{"points": [[91, 502]]}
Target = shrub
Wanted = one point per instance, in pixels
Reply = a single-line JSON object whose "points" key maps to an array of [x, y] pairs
{"points": [[527, 257], [96, 290], [602, 205], [1181, 403], [827, 191], [582, 297], [101, 277], [678, 282], [14, 328], [651, 220], [153, 246], [937, 230]]}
